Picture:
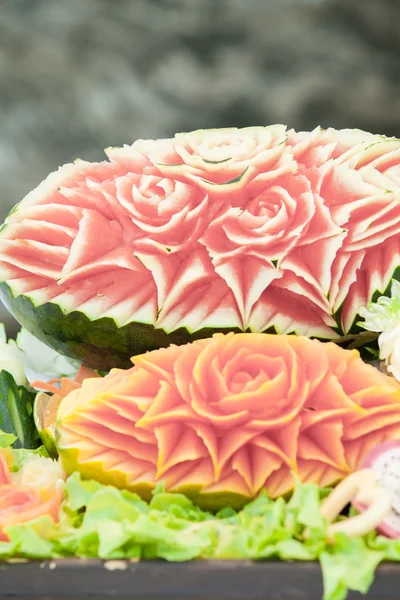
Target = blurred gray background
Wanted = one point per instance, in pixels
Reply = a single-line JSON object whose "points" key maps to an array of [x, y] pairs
{"points": [[80, 75]]}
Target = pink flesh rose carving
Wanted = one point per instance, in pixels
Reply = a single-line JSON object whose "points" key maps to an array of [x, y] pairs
{"points": [[254, 228]]}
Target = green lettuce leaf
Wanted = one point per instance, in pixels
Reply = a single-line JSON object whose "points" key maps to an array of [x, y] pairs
{"points": [[349, 564], [105, 522], [21, 455], [7, 439]]}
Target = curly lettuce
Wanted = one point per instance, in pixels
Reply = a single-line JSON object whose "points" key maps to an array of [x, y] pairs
{"points": [[98, 521]]}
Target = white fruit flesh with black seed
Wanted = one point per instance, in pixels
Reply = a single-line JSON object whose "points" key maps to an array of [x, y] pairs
{"points": [[384, 460], [387, 468]]}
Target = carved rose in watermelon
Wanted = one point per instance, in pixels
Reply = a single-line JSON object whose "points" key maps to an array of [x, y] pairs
{"points": [[358, 176], [216, 158], [218, 230], [221, 418]]}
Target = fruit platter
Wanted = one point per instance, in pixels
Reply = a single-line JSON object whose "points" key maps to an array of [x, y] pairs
{"points": [[203, 400]]}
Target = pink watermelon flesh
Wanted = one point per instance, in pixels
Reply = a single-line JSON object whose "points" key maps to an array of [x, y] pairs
{"points": [[256, 229]]}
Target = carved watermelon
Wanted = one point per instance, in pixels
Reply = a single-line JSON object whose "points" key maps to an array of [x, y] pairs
{"points": [[256, 229], [221, 418]]}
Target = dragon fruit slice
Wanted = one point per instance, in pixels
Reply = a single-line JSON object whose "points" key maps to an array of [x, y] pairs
{"points": [[384, 460]]}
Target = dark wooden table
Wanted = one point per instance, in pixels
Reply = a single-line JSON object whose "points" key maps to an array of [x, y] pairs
{"points": [[215, 580]]}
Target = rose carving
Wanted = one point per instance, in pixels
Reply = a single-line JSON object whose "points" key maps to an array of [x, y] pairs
{"points": [[268, 239], [357, 174], [220, 159], [235, 413], [257, 229]]}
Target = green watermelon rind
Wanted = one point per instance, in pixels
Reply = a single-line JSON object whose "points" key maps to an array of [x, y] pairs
{"points": [[99, 343]]}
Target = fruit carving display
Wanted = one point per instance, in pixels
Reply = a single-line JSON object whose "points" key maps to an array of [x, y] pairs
{"points": [[208, 346]]}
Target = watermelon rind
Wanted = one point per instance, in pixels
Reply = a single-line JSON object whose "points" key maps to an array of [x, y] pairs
{"points": [[99, 344]]}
